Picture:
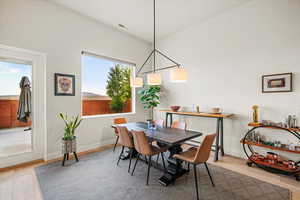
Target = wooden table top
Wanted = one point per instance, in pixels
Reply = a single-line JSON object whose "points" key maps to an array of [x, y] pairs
{"points": [[169, 136], [200, 114]]}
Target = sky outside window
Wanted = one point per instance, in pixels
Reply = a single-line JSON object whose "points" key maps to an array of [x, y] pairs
{"points": [[94, 74], [10, 77]]}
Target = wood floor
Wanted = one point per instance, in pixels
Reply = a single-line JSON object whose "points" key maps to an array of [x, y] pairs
{"points": [[20, 183]]}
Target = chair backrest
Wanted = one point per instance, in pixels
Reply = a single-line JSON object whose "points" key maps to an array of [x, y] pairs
{"points": [[179, 125], [159, 122], [141, 142], [204, 150], [120, 120], [125, 137]]}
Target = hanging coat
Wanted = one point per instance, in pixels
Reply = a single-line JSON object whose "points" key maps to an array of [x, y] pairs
{"points": [[24, 110]]}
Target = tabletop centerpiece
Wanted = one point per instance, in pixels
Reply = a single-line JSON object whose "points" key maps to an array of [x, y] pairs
{"points": [[150, 98]]}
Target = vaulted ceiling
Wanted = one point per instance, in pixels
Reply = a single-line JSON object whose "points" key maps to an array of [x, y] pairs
{"points": [[137, 15]]}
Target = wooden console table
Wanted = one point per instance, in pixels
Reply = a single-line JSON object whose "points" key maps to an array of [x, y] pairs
{"points": [[219, 147]]}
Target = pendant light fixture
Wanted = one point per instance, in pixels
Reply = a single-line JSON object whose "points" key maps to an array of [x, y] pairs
{"points": [[178, 73], [136, 82], [154, 79]]}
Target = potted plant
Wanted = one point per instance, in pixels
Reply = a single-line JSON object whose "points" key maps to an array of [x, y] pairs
{"points": [[150, 98], [69, 138]]}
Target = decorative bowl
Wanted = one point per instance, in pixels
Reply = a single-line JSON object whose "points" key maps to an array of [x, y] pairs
{"points": [[175, 108], [216, 110]]}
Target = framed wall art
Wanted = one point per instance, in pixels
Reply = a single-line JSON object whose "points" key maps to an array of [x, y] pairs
{"points": [[64, 84], [277, 83]]}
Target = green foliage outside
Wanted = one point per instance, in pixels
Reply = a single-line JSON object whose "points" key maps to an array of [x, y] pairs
{"points": [[150, 98], [118, 87]]}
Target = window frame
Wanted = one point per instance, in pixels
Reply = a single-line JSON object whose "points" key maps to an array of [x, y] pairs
{"points": [[133, 90]]}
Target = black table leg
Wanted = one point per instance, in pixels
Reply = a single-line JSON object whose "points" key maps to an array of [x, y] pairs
{"points": [[222, 136], [174, 169], [217, 141], [169, 124], [167, 117]]}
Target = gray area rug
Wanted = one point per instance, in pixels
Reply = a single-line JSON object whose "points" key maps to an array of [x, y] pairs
{"points": [[96, 177]]}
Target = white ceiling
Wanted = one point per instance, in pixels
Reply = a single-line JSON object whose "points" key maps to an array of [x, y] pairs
{"points": [[137, 15]]}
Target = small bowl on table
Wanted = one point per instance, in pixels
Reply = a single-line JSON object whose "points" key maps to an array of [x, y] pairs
{"points": [[216, 110], [175, 108]]}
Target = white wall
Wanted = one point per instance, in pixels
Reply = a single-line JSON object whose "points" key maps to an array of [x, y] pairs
{"points": [[226, 57], [62, 34]]}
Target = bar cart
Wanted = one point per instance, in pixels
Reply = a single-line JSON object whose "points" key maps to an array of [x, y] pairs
{"points": [[272, 162]]}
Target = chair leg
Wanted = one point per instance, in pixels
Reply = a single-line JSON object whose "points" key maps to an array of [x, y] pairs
{"points": [[211, 179], [67, 156], [188, 167], [116, 143], [196, 181], [137, 159], [120, 155], [163, 160], [148, 173], [130, 158]]}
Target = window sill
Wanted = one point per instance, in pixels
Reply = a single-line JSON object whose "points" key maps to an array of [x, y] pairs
{"points": [[106, 115]]}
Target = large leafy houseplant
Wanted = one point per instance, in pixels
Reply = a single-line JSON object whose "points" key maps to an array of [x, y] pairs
{"points": [[70, 126], [150, 98]]}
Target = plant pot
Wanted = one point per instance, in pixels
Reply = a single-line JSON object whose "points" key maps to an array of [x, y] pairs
{"points": [[69, 146]]}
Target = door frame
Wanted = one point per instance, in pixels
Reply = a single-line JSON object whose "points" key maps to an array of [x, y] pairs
{"points": [[39, 127]]}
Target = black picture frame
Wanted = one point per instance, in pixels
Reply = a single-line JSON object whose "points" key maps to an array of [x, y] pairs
{"points": [[275, 77], [58, 92]]}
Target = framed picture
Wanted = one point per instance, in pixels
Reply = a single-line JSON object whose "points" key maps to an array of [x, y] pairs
{"points": [[64, 84], [277, 83]]}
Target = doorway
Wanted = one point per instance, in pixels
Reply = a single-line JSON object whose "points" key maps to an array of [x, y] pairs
{"points": [[22, 106], [15, 132]]}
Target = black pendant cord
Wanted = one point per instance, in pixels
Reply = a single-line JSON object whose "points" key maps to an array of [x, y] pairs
{"points": [[154, 51], [154, 33]]}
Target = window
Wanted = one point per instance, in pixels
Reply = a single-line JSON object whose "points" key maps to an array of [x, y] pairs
{"points": [[106, 85]]}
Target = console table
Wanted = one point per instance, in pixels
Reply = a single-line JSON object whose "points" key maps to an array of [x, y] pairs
{"points": [[219, 146]]}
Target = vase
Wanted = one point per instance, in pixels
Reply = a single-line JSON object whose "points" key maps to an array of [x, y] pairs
{"points": [[255, 114], [68, 146]]}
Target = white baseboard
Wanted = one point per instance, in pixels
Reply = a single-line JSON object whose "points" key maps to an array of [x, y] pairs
{"points": [[82, 148], [236, 154]]}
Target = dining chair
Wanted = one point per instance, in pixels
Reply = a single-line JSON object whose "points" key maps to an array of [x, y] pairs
{"points": [[126, 140], [198, 155], [159, 123], [143, 147], [120, 120], [179, 125]]}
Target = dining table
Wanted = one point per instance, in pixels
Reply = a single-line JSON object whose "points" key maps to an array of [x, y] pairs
{"points": [[170, 138]]}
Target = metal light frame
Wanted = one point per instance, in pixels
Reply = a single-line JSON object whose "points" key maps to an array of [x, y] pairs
{"points": [[154, 51]]}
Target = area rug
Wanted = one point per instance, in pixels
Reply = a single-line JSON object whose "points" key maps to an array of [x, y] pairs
{"points": [[96, 177]]}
